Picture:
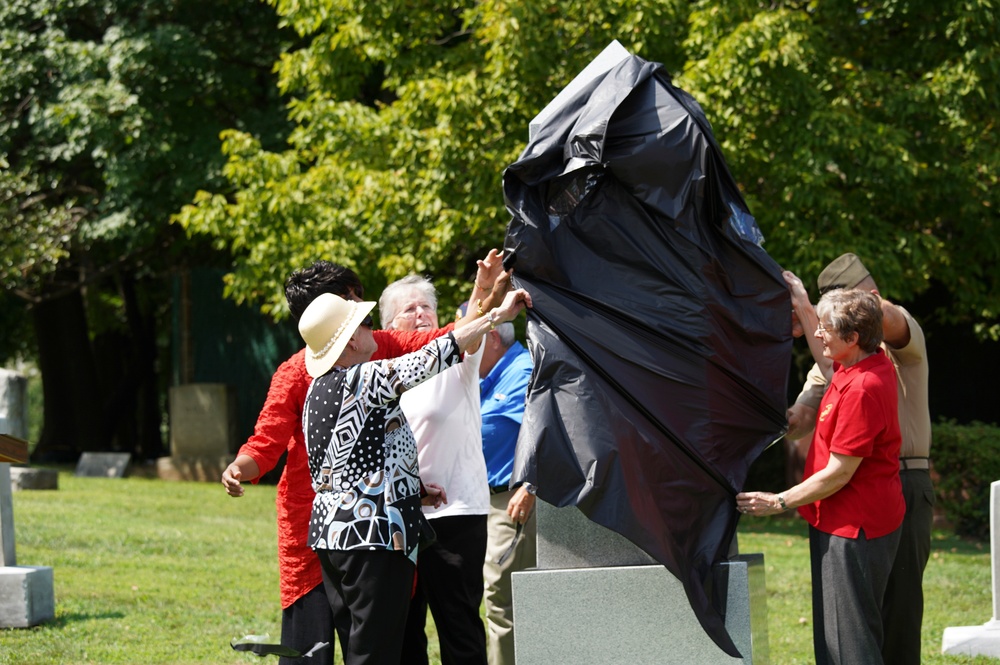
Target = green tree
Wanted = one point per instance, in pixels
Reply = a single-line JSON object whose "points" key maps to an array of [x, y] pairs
{"points": [[406, 114], [110, 112], [864, 128], [849, 126]]}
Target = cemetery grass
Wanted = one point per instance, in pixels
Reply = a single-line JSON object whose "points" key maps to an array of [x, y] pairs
{"points": [[149, 571]]}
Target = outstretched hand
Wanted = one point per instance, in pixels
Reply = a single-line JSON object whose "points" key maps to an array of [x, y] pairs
{"points": [[489, 270], [231, 480], [513, 303]]}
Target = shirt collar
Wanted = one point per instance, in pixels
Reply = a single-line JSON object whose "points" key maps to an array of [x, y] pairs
{"points": [[486, 384]]}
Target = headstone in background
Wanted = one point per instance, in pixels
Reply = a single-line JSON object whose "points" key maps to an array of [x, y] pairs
{"points": [[202, 420], [982, 640], [202, 432], [102, 465], [595, 598], [33, 478], [13, 403]]}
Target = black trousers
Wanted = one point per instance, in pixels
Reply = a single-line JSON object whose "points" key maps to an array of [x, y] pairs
{"points": [[375, 588], [307, 621], [450, 582], [903, 606], [849, 576]]}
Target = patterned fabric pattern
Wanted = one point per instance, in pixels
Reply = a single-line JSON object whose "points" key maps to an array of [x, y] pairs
{"points": [[362, 453]]}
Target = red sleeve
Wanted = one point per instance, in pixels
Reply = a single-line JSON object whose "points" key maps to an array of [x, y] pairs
{"points": [[280, 418], [395, 343]]}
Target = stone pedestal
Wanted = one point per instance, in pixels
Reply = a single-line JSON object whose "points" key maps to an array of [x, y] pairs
{"points": [[28, 478], [202, 432], [27, 596], [203, 469], [202, 420], [982, 640], [597, 598]]}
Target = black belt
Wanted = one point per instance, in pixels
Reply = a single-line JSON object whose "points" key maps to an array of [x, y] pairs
{"points": [[914, 463], [499, 489]]}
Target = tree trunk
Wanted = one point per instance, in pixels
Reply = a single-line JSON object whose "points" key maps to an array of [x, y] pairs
{"points": [[73, 403], [128, 372]]}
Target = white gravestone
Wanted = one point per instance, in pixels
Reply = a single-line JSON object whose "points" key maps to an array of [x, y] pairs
{"points": [[982, 640]]}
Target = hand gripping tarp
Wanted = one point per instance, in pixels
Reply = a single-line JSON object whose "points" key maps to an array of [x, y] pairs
{"points": [[661, 331]]}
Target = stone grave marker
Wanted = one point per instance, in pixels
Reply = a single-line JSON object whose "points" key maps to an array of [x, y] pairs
{"points": [[27, 596], [102, 465], [982, 640]]}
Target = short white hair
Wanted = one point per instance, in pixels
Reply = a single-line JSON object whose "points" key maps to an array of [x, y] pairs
{"points": [[505, 331], [391, 299]]}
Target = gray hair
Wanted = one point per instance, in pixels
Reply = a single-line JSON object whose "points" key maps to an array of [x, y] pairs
{"points": [[390, 300], [505, 331], [853, 311]]}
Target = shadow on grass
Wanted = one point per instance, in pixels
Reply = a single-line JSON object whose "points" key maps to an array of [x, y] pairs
{"points": [[63, 620]]}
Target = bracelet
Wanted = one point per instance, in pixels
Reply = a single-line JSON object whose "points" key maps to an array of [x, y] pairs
{"points": [[492, 321], [483, 288], [781, 502], [479, 307]]}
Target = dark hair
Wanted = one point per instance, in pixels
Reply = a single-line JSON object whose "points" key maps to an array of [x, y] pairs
{"points": [[854, 311], [302, 286]]}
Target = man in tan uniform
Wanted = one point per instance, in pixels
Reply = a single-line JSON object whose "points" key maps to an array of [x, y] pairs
{"points": [[904, 344]]}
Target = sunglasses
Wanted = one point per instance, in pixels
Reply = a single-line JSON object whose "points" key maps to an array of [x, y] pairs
{"points": [[367, 322]]}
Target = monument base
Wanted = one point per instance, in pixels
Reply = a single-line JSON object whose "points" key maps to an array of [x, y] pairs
{"points": [[30, 478], [973, 640], [26, 596], [634, 614], [204, 469]]}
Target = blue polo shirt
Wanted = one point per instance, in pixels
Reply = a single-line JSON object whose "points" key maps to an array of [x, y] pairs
{"points": [[502, 393]]}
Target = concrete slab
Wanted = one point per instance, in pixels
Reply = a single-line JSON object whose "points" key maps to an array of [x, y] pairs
{"points": [[27, 597]]}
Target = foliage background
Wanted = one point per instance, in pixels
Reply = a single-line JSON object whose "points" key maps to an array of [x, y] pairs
{"points": [[850, 127], [375, 134]]}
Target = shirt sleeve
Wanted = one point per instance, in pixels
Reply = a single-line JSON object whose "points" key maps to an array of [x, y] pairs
{"points": [[813, 388], [385, 380], [916, 349], [395, 343], [280, 416]]}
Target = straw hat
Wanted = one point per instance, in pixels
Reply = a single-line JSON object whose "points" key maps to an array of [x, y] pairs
{"points": [[844, 272], [326, 327]]}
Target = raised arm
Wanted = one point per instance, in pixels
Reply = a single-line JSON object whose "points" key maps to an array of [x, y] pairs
{"points": [[806, 314], [488, 289], [513, 303]]}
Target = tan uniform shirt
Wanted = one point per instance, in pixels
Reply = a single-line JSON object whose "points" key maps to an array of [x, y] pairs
{"points": [[911, 379]]}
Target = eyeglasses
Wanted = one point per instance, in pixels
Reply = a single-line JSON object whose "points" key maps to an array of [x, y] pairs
{"points": [[820, 329], [411, 311], [367, 322]]}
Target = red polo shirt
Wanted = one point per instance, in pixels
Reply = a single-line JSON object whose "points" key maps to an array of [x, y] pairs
{"points": [[858, 417]]}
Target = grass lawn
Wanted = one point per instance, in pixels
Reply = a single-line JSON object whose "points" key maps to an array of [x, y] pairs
{"points": [[148, 571]]}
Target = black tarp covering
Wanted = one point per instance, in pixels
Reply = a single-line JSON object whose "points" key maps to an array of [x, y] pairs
{"points": [[661, 331]]}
